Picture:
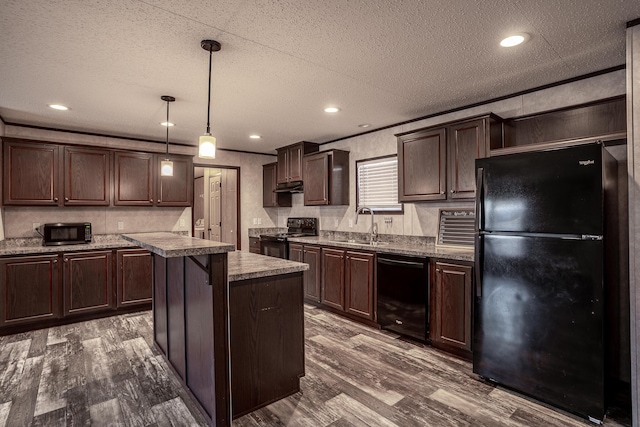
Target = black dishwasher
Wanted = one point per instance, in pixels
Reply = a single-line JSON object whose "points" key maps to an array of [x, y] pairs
{"points": [[403, 295]]}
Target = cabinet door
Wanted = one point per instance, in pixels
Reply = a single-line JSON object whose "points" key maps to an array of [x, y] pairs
{"points": [[333, 278], [254, 245], [87, 177], [451, 306], [283, 165], [31, 174], [296, 252], [359, 267], [312, 276], [29, 289], [134, 179], [175, 190], [87, 282], [295, 163], [134, 277], [316, 185], [422, 166], [467, 142], [268, 185]]}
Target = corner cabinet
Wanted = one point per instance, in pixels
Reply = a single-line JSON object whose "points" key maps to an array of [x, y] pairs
{"points": [[451, 307], [290, 166], [326, 178], [311, 277], [269, 181], [438, 163]]}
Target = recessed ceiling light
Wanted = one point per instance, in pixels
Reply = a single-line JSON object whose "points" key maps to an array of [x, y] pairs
{"points": [[364, 125], [58, 107], [255, 136], [331, 110], [514, 40], [167, 124]]}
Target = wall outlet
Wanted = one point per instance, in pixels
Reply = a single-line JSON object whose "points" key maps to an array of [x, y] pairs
{"points": [[350, 223], [255, 221], [259, 221], [388, 219], [120, 225], [181, 222]]}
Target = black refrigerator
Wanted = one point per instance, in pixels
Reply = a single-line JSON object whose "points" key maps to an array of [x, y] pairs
{"points": [[543, 231]]}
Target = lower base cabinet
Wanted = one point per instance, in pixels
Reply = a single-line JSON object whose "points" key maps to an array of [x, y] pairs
{"points": [[87, 282], [451, 307], [29, 288], [348, 281], [309, 255], [41, 290]]}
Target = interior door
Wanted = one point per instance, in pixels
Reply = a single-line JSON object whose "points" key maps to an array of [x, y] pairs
{"points": [[228, 206], [214, 207]]}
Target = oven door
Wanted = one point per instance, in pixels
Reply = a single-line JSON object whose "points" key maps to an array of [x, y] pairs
{"points": [[275, 247]]}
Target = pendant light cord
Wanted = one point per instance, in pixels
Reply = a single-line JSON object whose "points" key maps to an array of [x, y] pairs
{"points": [[167, 149], [209, 98]]}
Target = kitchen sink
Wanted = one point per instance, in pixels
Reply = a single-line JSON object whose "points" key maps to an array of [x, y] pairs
{"points": [[358, 242]]}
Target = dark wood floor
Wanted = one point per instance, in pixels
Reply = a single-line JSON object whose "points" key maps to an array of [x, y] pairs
{"points": [[106, 372]]}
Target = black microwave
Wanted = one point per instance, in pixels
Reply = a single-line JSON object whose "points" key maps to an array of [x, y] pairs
{"points": [[66, 233]]}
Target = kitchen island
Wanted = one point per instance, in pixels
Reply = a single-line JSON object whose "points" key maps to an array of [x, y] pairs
{"points": [[230, 324]]}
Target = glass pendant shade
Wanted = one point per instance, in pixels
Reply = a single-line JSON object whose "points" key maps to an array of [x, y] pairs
{"points": [[207, 147], [166, 168]]}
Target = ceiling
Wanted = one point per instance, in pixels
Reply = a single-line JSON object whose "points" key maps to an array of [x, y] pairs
{"points": [[283, 61]]}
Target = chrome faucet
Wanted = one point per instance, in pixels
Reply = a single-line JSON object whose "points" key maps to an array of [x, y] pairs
{"points": [[373, 236]]}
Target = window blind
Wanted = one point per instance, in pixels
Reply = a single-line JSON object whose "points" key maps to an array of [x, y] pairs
{"points": [[377, 182]]}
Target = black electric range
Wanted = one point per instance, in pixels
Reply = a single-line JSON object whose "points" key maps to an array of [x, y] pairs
{"points": [[277, 244]]}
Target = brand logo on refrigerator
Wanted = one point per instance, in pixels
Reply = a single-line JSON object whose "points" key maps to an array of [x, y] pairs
{"points": [[586, 162]]}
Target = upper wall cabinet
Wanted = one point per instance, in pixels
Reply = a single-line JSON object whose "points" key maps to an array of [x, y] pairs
{"points": [[138, 181], [326, 178], [31, 173], [269, 197], [41, 174], [290, 166], [87, 176], [438, 163]]}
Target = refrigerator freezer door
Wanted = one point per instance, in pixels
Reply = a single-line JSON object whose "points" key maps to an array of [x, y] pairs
{"points": [[556, 192], [538, 321]]}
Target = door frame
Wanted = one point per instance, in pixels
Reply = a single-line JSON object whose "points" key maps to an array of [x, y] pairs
{"points": [[238, 219]]}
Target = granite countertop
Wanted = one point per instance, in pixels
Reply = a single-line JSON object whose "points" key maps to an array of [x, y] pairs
{"points": [[246, 265], [28, 246], [170, 245], [428, 250]]}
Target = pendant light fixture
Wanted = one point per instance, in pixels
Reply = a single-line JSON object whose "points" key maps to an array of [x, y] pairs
{"points": [[207, 143], [166, 166]]}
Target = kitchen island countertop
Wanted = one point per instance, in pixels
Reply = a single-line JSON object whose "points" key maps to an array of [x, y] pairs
{"points": [[170, 245], [246, 265]]}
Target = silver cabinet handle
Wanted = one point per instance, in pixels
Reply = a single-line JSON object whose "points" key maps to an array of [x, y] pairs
{"points": [[55, 199], [66, 199], [151, 200], [66, 260]]}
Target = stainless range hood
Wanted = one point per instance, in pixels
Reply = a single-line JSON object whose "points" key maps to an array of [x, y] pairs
{"points": [[289, 187]]}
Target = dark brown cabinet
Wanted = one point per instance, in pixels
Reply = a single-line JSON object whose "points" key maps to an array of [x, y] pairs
{"points": [[348, 281], [290, 166], [87, 282], [29, 288], [134, 277], [311, 277], [31, 173], [269, 181], [359, 268], [87, 177], [438, 163], [326, 178], [254, 245], [333, 278], [451, 307], [138, 181]]}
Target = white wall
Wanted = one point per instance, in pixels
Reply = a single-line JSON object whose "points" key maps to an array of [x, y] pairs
{"points": [[421, 218]]}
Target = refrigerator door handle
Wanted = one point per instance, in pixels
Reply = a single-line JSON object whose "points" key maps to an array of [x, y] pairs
{"points": [[479, 198], [478, 269]]}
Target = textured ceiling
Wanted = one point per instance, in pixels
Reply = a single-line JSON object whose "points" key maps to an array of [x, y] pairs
{"points": [[282, 62]]}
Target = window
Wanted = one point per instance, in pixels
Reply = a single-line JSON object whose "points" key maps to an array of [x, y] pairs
{"points": [[377, 184]]}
